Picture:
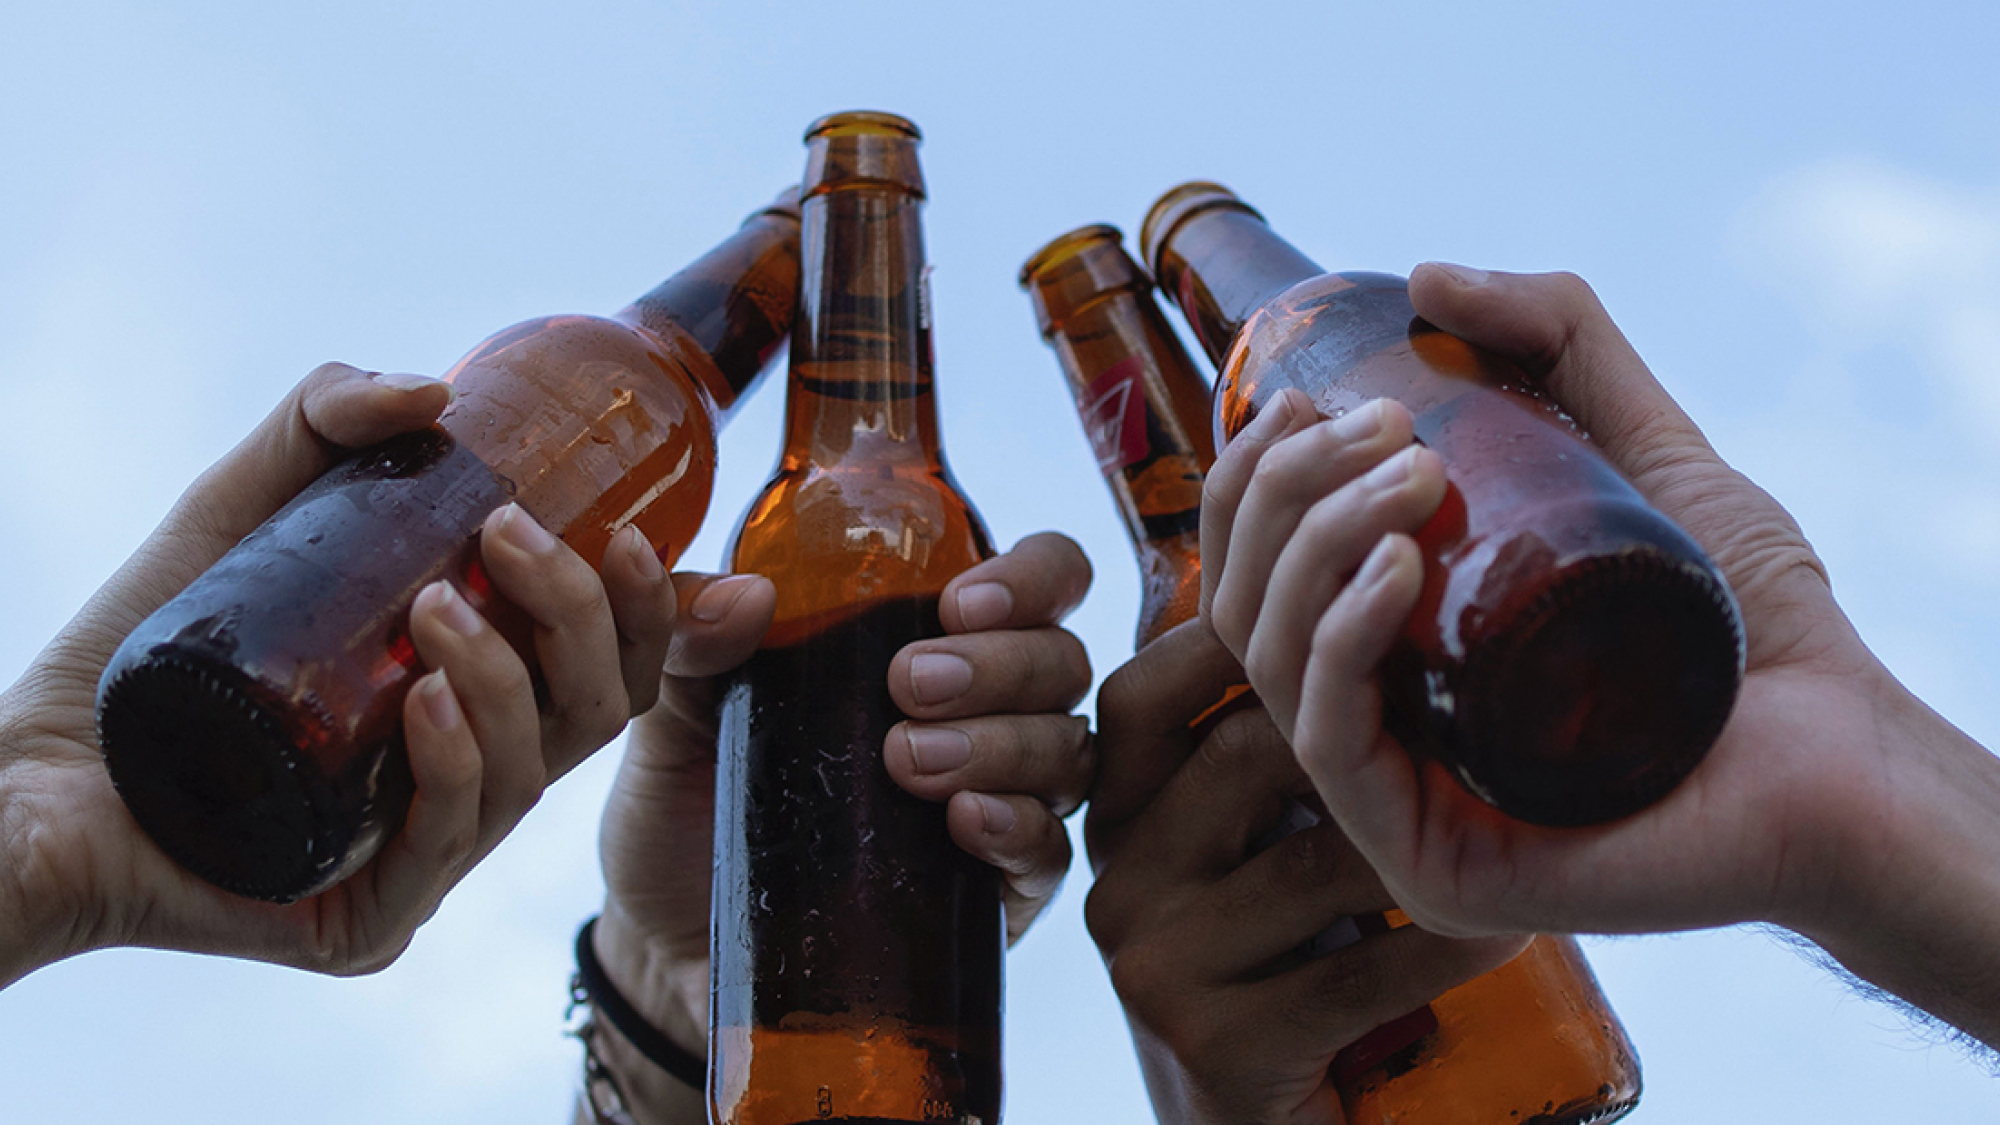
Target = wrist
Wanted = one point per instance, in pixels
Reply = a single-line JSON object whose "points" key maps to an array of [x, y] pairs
{"points": [[39, 924], [1910, 902], [670, 994]]}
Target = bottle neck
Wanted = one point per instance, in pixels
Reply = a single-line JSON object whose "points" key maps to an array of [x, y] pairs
{"points": [[861, 362], [1221, 264], [734, 302], [1143, 404]]}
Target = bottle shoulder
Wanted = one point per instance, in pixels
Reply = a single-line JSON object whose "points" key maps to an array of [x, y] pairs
{"points": [[864, 525]]}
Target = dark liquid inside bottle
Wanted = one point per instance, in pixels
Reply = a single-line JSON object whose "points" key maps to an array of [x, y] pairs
{"points": [[868, 943]]}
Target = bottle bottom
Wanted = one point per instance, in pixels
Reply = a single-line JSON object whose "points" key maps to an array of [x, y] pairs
{"points": [[215, 780], [849, 1071]]}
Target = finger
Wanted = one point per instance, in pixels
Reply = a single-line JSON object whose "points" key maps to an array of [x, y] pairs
{"points": [[1006, 672], [576, 643], [1287, 413], [1048, 757], [497, 698], [644, 610], [1227, 795], [1021, 837], [1329, 543], [1037, 583], [1294, 475], [1331, 1001], [1367, 782], [1554, 327], [1144, 711], [439, 836], [721, 621], [1284, 897]]}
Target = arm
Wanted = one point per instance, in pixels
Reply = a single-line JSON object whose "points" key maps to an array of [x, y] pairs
{"points": [[1003, 753], [1835, 803], [79, 873]]}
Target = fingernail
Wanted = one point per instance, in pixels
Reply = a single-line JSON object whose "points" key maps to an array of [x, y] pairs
{"points": [[984, 605], [938, 749], [718, 598], [441, 599], [520, 529], [998, 814], [938, 677], [1274, 417], [440, 705], [1361, 422], [1394, 471], [1376, 567], [1463, 275], [403, 381], [643, 557]]}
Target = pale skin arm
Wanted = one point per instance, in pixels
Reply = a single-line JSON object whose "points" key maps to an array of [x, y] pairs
{"points": [[990, 735], [76, 873], [1835, 804]]}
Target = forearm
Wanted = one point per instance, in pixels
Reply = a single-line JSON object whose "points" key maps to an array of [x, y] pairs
{"points": [[1916, 909]]}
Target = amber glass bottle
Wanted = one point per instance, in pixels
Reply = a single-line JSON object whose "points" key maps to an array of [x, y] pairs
{"points": [[254, 723], [1534, 1040], [1573, 654], [856, 949]]}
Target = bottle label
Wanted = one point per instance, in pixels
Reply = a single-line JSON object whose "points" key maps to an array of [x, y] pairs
{"points": [[1114, 415]]}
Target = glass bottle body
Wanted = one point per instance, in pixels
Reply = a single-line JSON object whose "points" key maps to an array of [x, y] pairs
{"points": [[1534, 1040], [253, 724], [856, 950], [1573, 654]]}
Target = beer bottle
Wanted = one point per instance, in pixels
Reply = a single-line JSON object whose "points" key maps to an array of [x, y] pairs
{"points": [[253, 724], [1573, 653], [1535, 1036], [856, 950]]}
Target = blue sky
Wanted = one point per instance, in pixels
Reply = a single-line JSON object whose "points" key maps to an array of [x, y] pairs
{"points": [[1794, 212]]}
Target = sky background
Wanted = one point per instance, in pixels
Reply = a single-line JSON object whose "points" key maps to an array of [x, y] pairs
{"points": [[1793, 211]]}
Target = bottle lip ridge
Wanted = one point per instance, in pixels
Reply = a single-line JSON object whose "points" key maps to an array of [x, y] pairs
{"points": [[1065, 245], [786, 206], [1176, 205], [864, 121]]}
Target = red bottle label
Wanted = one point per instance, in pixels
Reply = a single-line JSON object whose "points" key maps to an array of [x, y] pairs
{"points": [[1114, 415]]}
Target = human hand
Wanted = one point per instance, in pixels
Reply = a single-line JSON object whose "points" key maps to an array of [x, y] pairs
{"points": [[1829, 787], [1026, 763], [1202, 932], [85, 876]]}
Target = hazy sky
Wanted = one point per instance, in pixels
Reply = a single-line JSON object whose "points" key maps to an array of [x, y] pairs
{"points": [[1794, 213]]}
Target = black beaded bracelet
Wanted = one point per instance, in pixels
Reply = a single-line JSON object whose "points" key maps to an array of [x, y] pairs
{"points": [[591, 985]]}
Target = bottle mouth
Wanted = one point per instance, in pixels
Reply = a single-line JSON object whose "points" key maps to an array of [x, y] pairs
{"points": [[1076, 270], [1065, 246], [864, 122], [219, 784], [1175, 206]]}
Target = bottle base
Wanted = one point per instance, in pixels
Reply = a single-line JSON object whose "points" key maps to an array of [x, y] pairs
{"points": [[218, 783]]}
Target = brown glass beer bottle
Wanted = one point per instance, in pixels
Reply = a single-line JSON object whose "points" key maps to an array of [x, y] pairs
{"points": [[1534, 1040], [856, 949], [1573, 654], [253, 724]]}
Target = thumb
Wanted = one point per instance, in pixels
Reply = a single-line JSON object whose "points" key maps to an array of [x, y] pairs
{"points": [[721, 620], [1554, 327], [332, 410]]}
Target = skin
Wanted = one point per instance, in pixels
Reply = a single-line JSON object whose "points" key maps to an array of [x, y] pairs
{"points": [[1835, 803], [1201, 927], [1026, 763], [78, 874]]}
